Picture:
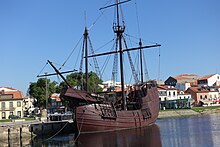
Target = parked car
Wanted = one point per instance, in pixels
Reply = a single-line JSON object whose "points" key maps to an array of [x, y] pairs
{"points": [[13, 117]]}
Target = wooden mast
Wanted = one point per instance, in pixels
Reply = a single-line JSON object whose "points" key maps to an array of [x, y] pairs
{"points": [[142, 76], [119, 30], [86, 57]]}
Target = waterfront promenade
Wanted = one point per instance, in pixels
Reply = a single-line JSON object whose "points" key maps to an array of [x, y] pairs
{"points": [[189, 112], [177, 113]]}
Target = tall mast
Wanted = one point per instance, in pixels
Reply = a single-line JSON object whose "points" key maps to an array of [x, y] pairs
{"points": [[142, 77], [119, 32], [86, 56]]}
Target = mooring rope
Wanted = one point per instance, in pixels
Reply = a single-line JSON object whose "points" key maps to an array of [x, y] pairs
{"points": [[57, 132], [79, 129]]}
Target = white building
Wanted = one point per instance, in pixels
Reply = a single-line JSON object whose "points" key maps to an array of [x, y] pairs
{"points": [[111, 83], [167, 93], [183, 95], [209, 80], [11, 102], [171, 98]]}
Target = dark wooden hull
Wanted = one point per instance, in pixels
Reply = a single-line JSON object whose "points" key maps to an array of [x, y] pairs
{"points": [[89, 118]]}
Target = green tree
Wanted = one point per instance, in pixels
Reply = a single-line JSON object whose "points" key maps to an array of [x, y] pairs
{"points": [[78, 81], [37, 90]]}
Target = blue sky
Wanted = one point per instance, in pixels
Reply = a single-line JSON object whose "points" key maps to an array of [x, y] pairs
{"points": [[31, 32]]}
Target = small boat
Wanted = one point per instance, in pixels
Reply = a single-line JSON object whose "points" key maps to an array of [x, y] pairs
{"points": [[133, 107]]}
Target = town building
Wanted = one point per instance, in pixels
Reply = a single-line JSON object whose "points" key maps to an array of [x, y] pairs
{"points": [[182, 79], [171, 98], [11, 102], [204, 95], [55, 104], [209, 80], [111, 83]]}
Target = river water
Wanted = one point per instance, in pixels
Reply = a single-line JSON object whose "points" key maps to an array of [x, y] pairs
{"points": [[196, 131]]}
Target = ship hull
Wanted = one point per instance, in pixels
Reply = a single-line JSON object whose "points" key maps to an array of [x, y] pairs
{"points": [[90, 118]]}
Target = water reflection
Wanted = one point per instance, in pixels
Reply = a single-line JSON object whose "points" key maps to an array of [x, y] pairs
{"points": [[146, 137], [201, 131], [14, 141], [141, 137], [58, 141]]}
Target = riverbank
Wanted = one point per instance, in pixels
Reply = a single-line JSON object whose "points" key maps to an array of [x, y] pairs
{"points": [[189, 112], [15, 129]]}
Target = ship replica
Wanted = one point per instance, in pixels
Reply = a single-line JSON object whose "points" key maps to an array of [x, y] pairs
{"points": [[132, 107]]}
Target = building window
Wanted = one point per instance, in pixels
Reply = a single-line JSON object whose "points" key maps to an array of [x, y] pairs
{"points": [[200, 96], [169, 93], [18, 104], [19, 113], [11, 105], [3, 105], [174, 93], [3, 115]]}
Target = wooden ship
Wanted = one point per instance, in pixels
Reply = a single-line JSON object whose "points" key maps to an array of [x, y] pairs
{"points": [[136, 106]]}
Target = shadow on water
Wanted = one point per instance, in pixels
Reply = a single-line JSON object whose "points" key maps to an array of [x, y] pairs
{"points": [[141, 137], [146, 137]]}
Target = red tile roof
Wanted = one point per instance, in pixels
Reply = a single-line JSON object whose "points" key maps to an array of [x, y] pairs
{"points": [[200, 89], [12, 91], [165, 87], [9, 88], [187, 75], [206, 77], [187, 78], [16, 94]]}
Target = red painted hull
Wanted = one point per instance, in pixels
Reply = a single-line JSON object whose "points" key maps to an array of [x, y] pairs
{"points": [[89, 117]]}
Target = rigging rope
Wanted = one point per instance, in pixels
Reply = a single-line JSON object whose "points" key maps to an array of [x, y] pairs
{"points": [[138, 24], [131, 63], [104, 45], [115, 64], [108, 58], [105, 64], [141, 39], [146, 70], [71, 53], [43, 68], [82, 54]]}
